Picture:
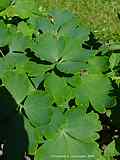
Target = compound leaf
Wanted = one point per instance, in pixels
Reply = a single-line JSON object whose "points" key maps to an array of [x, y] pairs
{"points": [[94, 88], [69, 145]]}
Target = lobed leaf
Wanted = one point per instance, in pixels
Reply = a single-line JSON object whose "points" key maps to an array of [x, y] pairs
{"points": [[38, 108], [69, 141]]}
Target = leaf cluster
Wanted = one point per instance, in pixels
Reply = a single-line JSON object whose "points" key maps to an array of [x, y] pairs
{"points": [[59, 82]]}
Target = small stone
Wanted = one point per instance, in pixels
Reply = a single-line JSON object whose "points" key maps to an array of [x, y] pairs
{"points": [[2, 145], [1, 152], [116, 130], [115, 136], [27, 158]]}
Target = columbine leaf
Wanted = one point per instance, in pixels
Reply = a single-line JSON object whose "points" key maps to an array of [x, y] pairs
{"points": [[69, 142], [11, 62], [60, 17], [15, 60], [57, 89], [25, 8], [4, 36], [71, 67], [74, 57], [19, 43], [75, 52], [34, 137], [38, 108], [34, 69], [51, 130], [94, 88], [67, 148], [73, 29], [27, 30], [42, 23], [47, 48], [18, 85], [37, 72], [82, 126], [98, 64], [3, 67], [54, 48]]}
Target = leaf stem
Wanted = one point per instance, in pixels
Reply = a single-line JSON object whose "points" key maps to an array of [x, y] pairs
{"points": [[2, 53]]}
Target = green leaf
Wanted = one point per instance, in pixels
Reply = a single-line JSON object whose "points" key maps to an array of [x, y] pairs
{"points": [[3, 67], [94, 88], [38, 108], [19, 43], [34, 137], [71, 67], [37, 72], [34, 69], [47, 48], [74, 57], [25, 8], [42, 23], [71, 142], [82, 126], [60, 17], [18, 85], [75, 52], [73, 29], [9, 12], [62, 49], [4, 4], [4, 36], [57, 89], [114, 60], [51, 130], [47, 53], [26, 30], [98, 64], [16, 60], [111, 151], [67, 148], [12, 61]]}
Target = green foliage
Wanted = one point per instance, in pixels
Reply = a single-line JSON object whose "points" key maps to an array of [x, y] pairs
{"points": [[59, 85], [100, 15], [71, 140], [4, 4]]}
